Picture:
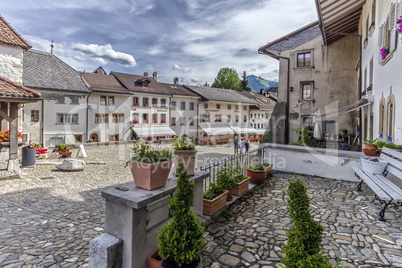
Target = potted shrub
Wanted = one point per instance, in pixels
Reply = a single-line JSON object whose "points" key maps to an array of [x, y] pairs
{"points": [[214, 199], [242, 184], [181, 240], [226, 181], [370, 147], [258, 172], [184, 151], [63, 150], [150, 167]]}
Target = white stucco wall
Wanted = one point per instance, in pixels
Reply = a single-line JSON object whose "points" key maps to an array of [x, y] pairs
{"points": [[387, 73], [11, 62], [186, 114]]}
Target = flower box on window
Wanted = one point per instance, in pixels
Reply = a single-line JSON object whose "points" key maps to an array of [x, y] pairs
{"points": [[135, 122], [145, 121], [173, 124], [154, 121], [34, 120], [218, 120], [154, 105], [136, 104], [163, 121], [163, 105], [145, 105]]}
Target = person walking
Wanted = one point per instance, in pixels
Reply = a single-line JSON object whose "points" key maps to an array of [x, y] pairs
{"points": [[241, 145], [247, 145], [236, 145]]}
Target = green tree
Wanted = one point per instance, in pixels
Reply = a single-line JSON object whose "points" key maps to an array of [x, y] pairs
{"points": [[206, 84], [227, 78], [244, 83], [303, 249]]}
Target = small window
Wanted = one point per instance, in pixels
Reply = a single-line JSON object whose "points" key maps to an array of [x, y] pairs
{"points": [[113, 137], [218, 118], [136, 118], [304, 59], [110, 101], [78, 138], [103, 100], [63, 118], [191, 121], [55, 141], [308, 123], [237, 119], [144, 118], [61, 100], [163, 103], [182, 106], [237, 107], [34, 115], [136, 101], [182, 121], [117, 118], [191, 106], [229, 106], [245, 108], [154, 118], [101, 118], [173, 121], [205, 105], [74, 100], [145, 102], [229, 117], [244, 118], [173, 104], [163, 118], [154, 102], [306, 90], [218, 106]]}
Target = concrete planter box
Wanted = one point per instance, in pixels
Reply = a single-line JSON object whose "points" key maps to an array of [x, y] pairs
{"points": [[241, 187], [188, 158], [150, 176], [210, 207]]}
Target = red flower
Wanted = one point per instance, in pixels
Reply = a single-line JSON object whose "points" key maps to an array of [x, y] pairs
{"points": [[135, 121]]}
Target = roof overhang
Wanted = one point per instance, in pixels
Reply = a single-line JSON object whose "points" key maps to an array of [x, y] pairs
{"points": [[338, 18]]}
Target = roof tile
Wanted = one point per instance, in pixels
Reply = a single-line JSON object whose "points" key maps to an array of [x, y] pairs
{"points": [[10, 89], [8, 35]]}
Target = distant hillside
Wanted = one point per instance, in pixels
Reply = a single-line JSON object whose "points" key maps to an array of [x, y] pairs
{"points": [[256, 83]]}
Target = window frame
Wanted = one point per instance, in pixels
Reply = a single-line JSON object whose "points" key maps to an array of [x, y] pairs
{"points": [[303, 83], [35, 115], [117, 118], [101, 118], [61, 100], [304, 52], [74, 100], [191, 107], [67, 119]]}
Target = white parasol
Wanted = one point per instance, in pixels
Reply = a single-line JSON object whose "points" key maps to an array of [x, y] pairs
{"points": [[317, 131]]}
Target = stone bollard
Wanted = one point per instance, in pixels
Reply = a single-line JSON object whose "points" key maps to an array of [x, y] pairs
{"points": [[135, 216], [105, 251]]}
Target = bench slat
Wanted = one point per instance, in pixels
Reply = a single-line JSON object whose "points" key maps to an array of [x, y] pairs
{"points": [[392, 152], [389, 187], [370, 183], [394, 166]]}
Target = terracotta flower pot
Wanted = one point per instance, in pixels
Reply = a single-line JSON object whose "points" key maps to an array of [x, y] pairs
{"points": [[210, 207], [150, 176], [241, 187], [229, 197], [188, 158], [370, 152], [370, 147], [154, 260]]}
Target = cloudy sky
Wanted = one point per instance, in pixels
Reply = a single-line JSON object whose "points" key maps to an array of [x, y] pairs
{"points": [[189, 39]]}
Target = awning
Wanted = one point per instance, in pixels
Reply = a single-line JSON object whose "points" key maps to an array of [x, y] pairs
{"points": [[244, 129], [260, 131], [346, 109], [153, 131], [219, 129]]}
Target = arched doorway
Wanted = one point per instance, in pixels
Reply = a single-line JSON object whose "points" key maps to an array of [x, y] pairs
{"points": [[94, 137]]}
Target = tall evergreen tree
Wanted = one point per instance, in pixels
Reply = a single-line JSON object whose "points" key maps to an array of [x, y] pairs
{"points": [[244, 83], [227, 78]]}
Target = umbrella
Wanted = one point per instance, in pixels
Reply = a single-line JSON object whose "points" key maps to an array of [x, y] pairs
{"points": [[317, 131]]}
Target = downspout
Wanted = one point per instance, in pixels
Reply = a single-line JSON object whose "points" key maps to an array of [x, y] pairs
{"points": [[42, 134], [87, 127], [359, 88]]}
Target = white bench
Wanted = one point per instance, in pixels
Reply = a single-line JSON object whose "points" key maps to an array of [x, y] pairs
{"points": [[385, 190]]}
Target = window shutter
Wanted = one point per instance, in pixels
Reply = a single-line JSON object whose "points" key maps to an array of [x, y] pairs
{"points": [[380, 35], [392, 19], [393, 41], [399, 10]]}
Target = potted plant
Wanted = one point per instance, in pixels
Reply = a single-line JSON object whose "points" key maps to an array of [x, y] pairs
{"points": [[242, 184], [181, 240], [258, 172], [214, 199], [225, 180], [63, 150], [370, 147], [150, 167], [184, 151]]}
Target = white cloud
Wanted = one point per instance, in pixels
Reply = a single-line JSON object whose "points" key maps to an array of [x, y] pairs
{"points": [[106, 53], [184, 69]]}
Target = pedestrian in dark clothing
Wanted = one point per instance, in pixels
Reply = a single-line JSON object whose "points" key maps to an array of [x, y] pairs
{"points": [[236, 145], [247, 145]]}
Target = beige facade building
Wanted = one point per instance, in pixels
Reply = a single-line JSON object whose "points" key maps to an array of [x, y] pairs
{"points": [[315, 82]]}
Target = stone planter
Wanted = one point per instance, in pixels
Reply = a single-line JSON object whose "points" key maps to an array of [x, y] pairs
{"points": [[150, 176], [241, 187], [64, 153], [210, 207], [188, 158], [154, 260]]}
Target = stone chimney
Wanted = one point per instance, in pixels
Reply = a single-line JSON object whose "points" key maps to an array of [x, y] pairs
{"points": [[146, 74], [155, 76], [176, 80]]}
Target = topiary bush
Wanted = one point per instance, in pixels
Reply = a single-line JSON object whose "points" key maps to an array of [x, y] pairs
{"points": [[303, 249], [181, 239]]}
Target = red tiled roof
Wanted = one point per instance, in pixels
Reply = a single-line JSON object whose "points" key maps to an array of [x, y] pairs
{"points": [[10, 36], [10, 89], [103, 83]]}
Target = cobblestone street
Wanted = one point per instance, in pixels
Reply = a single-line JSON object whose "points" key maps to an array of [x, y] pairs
{"points": [[48, 217]]}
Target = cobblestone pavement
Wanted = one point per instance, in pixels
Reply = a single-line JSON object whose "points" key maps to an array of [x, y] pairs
{"points": [[255, 231], [48, 217]]}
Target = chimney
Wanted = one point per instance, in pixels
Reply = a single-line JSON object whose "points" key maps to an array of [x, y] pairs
{"points": [[146, 74], [176, 80], [261, 91], [155, 76]]}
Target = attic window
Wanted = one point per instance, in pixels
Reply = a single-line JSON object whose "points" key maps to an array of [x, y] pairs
{"points": [[141, 83]]}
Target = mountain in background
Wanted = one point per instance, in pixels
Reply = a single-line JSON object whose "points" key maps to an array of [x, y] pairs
{"points": [[257, 83]]}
